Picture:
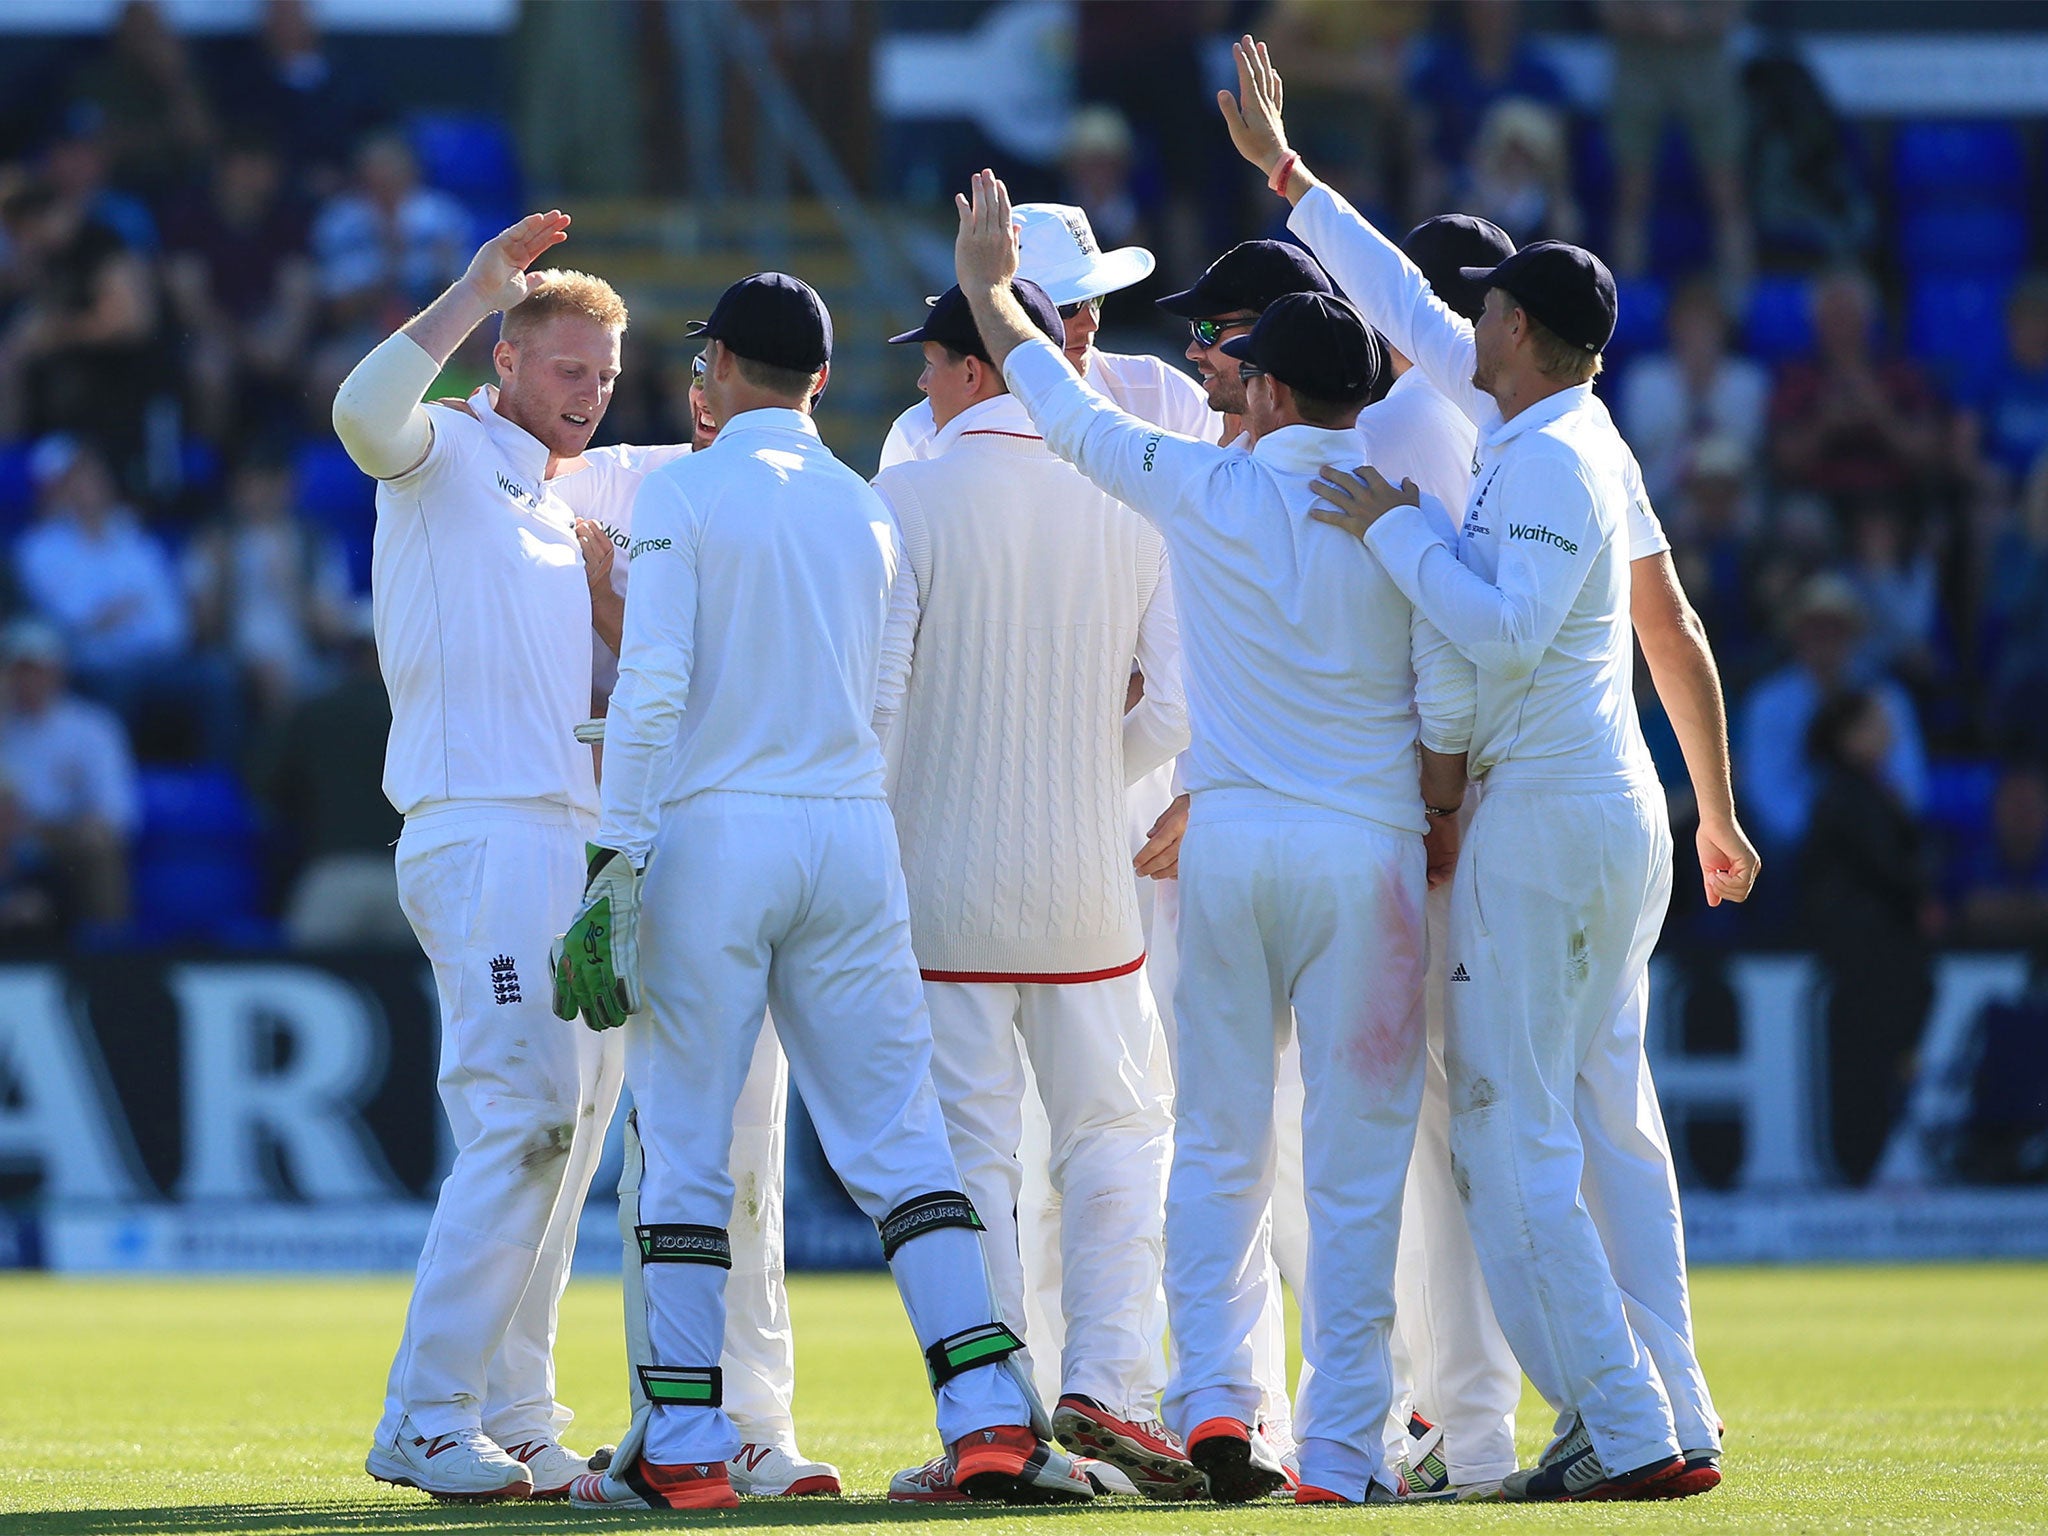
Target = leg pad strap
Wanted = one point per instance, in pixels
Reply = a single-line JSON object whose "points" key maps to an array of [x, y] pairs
{"points": [[926, 1213], [681, 1243], [968, 1350], [679, 1386]]}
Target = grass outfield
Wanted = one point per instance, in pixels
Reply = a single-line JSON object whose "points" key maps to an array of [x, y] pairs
{"points": [[1909, 1399]]}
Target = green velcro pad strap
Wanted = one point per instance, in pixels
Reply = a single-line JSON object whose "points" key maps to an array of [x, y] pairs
{"points": [[681, 1386], [926, 1213], [680, 1243], [969, 1350]]}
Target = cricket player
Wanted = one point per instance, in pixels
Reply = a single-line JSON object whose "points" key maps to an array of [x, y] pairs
{"points": [[743, 796], [1302, 873], [483, 623], [1031, 597], [1563, 882], [1059, 252]]}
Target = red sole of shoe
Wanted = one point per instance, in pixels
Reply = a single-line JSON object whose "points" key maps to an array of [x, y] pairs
{"points": [[1158, 1476], [811, 1487], [1687, 1484]]}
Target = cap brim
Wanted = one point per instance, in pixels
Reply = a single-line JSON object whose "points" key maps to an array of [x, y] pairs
{"points": [[1478, 274], [1122, 268], [916, 335], [697, 328], [1239, 347]]}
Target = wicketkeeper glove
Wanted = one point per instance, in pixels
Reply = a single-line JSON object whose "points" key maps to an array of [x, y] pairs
{"points": [[596, 963]]}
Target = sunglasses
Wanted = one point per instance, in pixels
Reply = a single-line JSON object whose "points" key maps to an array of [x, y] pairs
{"points": [[1209, 332], [1247, 372], [698, 368], [1093, 306]]}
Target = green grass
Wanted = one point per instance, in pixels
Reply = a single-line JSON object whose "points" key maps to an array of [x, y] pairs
{"points": [[1908, 1399]]}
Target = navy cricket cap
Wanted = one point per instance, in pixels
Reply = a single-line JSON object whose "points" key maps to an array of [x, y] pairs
{"points": [[950, 322], [1249, 276], [1443, 246], [1318, 344], [1566, 287], [772, 318]]}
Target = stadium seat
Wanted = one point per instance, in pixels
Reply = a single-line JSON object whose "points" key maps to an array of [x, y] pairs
{"points": [[336, 496], [196, 872], [1979, 238], [1957, 324], [1951, 159], [472, 157], [1959, 791], [1639, 316], [1780, 319], [17, 491]]}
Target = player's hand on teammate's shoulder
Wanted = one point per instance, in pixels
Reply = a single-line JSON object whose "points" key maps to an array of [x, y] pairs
{"points": [[1356, 499], [497, 274]]}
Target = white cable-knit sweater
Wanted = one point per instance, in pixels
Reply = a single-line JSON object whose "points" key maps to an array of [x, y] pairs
{"points": [[1035, 594]]}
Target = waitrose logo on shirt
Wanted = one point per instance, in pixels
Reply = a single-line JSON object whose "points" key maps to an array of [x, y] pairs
{"points": [[1535, 533]]}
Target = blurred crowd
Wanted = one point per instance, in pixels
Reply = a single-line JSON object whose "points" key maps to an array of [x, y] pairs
{"points": [[1833, 365]]}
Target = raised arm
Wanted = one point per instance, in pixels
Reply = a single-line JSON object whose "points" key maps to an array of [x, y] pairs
{"points": [[378, 413], [1389, 290]]}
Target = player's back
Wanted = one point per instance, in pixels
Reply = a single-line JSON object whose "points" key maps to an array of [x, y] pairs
{"points": [[793, 556]]}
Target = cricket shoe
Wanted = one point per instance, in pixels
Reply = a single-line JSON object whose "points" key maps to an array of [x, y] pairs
{"points": [[555, 1466], [1309, 1493], [1701, 1474], [1107, 1479], [1011, 1464], [931, 1483], [1571, 1472], [770, 1472], [1425, 1474], [1146, 1451], [464, 1467], [1238, 1461], [653, 1485]]}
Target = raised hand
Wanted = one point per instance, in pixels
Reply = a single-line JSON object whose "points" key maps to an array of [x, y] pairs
{"points": [[1253, 115], [497, 274], [985, 250], [1355, 500]]}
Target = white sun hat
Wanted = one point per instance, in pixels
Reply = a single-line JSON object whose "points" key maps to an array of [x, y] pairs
{"points": [[1057, 250]]}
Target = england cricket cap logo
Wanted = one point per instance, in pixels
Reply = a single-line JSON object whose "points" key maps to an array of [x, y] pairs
{"points": [[1057, 249]]}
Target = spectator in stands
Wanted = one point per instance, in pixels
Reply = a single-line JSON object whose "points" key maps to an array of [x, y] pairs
{"points": [[76, 165], [159, 125], [1998, 886], [284, 86], [1712, 523], [1848, 422], [2011, 399], [1823, 628], [1347, 102], [386, 246], [89, 567], [1672, 60], [80, 353], [1099, 165], [1869, 914], [242, 287], [1520, 175], [266, 586], [1893, 569], [1461, 72], [71, 779], [33, 917], [1807, 192], [2016, 622], [320, 779], [1672, 400]]}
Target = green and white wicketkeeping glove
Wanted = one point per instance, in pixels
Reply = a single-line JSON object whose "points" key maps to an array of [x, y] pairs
{"points": [[596, 963]]}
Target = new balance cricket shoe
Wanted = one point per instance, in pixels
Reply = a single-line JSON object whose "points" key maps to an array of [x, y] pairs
{"points": [[1238, 1461], [931, 1483], [555, 1466], [1309, 1493], [466, 1466], [653, 1485], [770, 1472], [1571, 1472], [1146, 1451], [1425, 1474], [1011, 1464]]}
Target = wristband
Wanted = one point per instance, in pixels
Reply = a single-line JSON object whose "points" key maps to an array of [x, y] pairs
{"points": [[1278, 180], [1440, 810]]}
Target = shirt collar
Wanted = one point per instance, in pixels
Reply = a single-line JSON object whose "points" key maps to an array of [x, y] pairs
{"points": [[772, 418], [528, 454], [1302, 449], [1541, 414], [1002, 413]]}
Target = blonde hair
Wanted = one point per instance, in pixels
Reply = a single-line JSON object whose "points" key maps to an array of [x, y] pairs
{"points": [[1557, 359], [564, 293]]}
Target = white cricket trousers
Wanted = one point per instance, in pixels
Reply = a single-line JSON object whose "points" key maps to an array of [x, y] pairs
{"points": [[1282, 904], [528, 1098], [1090, 1047], [758, 901], [1552, 904]]}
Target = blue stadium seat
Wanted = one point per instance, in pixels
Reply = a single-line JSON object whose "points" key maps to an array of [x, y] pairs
{"points": [[197, 874], [471, 156], [336, 496], [17, 491], [1957, 324], [1639, 316], [1948, 159], [1982, 239], [1959, 791], [192, 804], [1780, 319]]}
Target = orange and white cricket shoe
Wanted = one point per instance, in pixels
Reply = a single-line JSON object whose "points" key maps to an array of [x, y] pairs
{"points": [[931, 1483], [466, 1466], [654, 1485], [554, 1466], [1238, 1460], [770, 1472], [1144, 1450], [1011, 1464]]}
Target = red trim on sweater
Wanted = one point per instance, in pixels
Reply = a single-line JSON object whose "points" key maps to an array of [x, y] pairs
{"points": [[1036, 979]]}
